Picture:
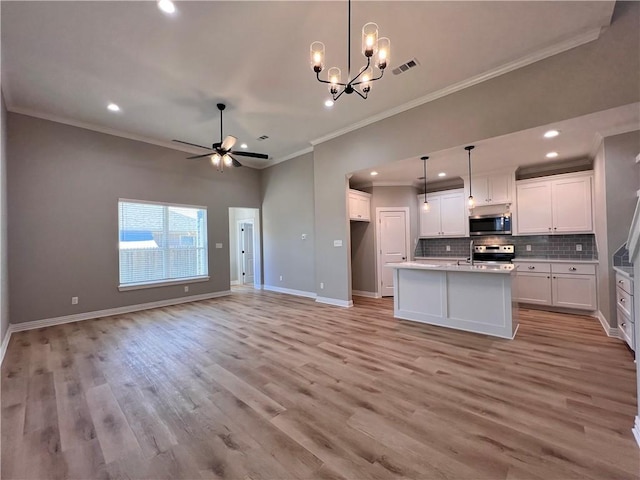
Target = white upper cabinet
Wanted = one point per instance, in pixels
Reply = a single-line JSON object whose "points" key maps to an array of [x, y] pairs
{"points": [[560, 204], [492, 189], [359, 206], [446, 216]]}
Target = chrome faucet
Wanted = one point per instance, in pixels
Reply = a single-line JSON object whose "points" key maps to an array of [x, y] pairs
{"points": [[471, 252]]}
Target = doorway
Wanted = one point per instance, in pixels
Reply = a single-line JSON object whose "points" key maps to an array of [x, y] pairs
{"points": [[244, 247], [392, 244]]}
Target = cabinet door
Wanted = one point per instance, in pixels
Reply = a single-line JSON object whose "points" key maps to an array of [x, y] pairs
{"points": [[364, 208], [574, 291], [534, 208], [499, 189], [533, 288], [572, 205], [452, 214], [480, 190], [353, 206], [430, 220]]}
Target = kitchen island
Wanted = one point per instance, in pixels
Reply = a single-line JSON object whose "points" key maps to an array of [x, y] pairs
{"points": [[475, 298]]}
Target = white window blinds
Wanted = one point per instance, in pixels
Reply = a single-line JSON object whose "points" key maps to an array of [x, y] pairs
{"points": [[161, 242]]}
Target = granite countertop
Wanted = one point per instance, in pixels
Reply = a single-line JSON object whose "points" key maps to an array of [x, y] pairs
{"points": [[624, 271], [505, 268], [554, 260]]}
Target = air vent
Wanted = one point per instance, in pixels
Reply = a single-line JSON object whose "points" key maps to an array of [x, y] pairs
{"points": [[406, 66], [263, 137]]}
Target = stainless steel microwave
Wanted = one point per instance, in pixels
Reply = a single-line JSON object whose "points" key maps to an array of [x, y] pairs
{"points": [[490, 225]]}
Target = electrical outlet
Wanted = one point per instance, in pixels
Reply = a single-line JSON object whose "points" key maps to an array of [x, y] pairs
{"points": [[528, 248], [321, 285], [448, 248], [303, 236], [186, 288], [578, 247], [280, 277], [74, 300]]}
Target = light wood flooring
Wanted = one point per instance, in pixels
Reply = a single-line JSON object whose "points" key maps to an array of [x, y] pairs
{"points": [[261, 385]]}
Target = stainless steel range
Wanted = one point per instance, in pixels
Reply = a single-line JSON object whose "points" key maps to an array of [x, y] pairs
{"points": [[493, 253]]}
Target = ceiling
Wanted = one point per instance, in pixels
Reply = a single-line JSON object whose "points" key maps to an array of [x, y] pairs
{"points": [[67, 60]]}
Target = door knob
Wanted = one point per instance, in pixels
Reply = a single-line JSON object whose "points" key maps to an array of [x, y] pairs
{"points": [[404, 258]]}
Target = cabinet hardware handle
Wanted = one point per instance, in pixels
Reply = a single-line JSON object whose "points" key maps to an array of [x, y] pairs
{"points": [[622, 300], [572, 269], [555, 228], [623, 324], [549, 228], [620, 281], [555, 277], [548, 276], [531, 267]]}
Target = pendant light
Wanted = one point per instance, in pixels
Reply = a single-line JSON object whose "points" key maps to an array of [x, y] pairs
{"points": [[471, 202], [425, 206]]}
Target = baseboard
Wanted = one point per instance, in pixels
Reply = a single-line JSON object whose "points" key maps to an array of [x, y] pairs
{"points": [[335, 301], [5, 343], [289, 291], [78, 317], [610, 331], [363, 293], [236, 282], [636, 430]]}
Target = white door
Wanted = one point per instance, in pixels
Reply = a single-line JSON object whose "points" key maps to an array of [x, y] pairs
{"points": [[572, 205], [393, 245], [246, 252], [534, 208]]}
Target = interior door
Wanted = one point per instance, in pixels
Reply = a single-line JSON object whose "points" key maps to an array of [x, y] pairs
{"points": [[393, 246], [247, 253]]}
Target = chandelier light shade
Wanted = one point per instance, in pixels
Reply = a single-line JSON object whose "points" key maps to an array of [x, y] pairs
{"points": [[376, 50], [425, 205], [471, 202]]}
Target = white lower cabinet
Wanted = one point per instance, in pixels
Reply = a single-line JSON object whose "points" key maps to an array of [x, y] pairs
{"points": [[624, 309], [561, 284]]}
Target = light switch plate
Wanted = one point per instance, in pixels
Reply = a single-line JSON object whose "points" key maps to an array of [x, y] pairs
{"points": [[337, 243], [218, 245]]}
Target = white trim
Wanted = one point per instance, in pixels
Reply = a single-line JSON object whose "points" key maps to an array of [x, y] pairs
{"points": [[78, 317], [335, 301], [636, 430], [560, 47], [610, 331], [236, 282], [393, 184], [289, 291], [638, 158], [162, 283], [299, 153], [5, 343], [362, 293]]}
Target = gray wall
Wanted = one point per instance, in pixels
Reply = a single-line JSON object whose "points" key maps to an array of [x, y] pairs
{"points": [[363, 234], [600, 227], [599, 75], [63, 188], [287, 213], [4, 269], [621, 184]]}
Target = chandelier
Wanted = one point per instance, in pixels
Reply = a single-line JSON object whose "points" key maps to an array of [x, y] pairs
{"points": [[371, 46]]}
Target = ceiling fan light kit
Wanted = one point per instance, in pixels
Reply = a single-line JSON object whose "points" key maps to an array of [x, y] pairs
{"points": [[372, 46], [221, 156]]}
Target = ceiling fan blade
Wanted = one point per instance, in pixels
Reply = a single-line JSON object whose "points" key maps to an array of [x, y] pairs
{"points": [[235, 162], [251, 154], [192, 144], [199, 156], [228, 142]]}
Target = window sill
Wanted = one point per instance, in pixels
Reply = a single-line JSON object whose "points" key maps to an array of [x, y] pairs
{"points": [[161, 283]]}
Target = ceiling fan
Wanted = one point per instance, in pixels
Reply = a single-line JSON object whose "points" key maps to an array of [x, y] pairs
{"points": [[221, 152]]}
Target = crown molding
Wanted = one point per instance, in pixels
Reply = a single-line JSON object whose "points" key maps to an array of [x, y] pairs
{"points": [[576, 41], [271, 163], [101, 129]]}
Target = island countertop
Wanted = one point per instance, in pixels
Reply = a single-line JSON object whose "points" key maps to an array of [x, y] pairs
{"points": [[503, 269]]}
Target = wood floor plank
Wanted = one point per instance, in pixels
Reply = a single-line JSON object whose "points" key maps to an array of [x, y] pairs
{"points": [[261, 385]]}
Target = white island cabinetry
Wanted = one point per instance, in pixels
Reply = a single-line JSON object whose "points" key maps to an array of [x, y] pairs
{"points": [[471, 298]]}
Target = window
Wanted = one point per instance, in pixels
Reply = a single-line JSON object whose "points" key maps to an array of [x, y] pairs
{"points": [[161, 244]]}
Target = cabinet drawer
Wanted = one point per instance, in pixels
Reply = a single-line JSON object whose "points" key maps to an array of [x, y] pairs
{"points": [[624, 283], [626, 329], [533, 267], [624, 301], [574, 268]]}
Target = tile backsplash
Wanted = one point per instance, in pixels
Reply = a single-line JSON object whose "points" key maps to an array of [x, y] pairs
{"points": [[621, 257], [542, 246]]}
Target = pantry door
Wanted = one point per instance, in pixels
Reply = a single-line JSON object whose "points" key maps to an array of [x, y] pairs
{"points": [[393, 244]]}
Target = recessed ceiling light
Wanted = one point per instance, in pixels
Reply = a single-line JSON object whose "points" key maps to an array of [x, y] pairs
{"points": [[328, 103], [374, 173], [113, 107], [552, 155], [442, 174], [166, 6], [551, 134], [244, 145]]}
